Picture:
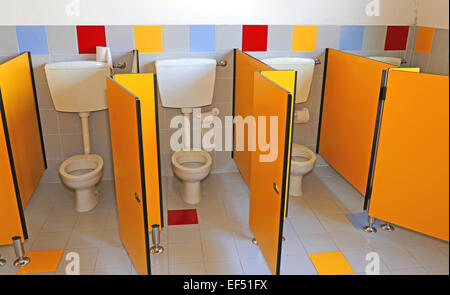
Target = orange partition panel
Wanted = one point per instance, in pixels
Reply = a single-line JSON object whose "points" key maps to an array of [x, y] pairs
{"points": [[144, 87], [411, 176], [126, 140], [22, 117], [244, 69], [348, 116], [269, 178], [9, 211]]}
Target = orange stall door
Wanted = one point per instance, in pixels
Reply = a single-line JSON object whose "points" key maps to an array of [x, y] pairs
{"points": [[411, 175]]}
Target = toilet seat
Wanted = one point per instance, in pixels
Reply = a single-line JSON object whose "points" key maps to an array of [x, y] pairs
{"points": [[302, 151], [181, 158], [191, 176], [91, 162]]}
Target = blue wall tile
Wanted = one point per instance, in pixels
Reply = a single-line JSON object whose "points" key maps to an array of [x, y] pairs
{"points": [[351, 38], [202, 38], [33, 39]]}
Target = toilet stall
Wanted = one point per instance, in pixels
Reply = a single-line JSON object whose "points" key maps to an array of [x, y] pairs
{"points": [[22, 154], [384, 129]]}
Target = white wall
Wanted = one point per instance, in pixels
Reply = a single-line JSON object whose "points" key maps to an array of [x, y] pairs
{"points": [[317, 12], [433, 13]]}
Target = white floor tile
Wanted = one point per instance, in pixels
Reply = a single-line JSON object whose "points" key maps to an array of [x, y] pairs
{"points": [[91, 221], [85, 239], [183, 233], [397, 258], [50, 241], [358, 262], [113, 257], [317, 243], [410, 271], [336, 223], [255, 266], [246, 249], [428, 256], [216, 231], [438, 270], [306, 225], [350, 241], [219, 250], [297, 265], [185, 253], [88, 258], [113, 271], [59, 223], [292, 246], [196, 268], [212, 215], [224, 268]]}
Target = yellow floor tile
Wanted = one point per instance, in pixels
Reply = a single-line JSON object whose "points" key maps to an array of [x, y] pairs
{"points": [[42, 261], [331, 263]]}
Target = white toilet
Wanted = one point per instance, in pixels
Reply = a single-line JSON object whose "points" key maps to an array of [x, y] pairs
{"points": [[185, 84], [80, 87], [302, 158]]}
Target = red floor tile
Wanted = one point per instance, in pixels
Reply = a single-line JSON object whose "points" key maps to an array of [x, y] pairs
{"points": [[180, 217]]}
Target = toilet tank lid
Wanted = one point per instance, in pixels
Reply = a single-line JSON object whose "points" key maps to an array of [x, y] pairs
{"points": [[185, 62], [75, 65]]}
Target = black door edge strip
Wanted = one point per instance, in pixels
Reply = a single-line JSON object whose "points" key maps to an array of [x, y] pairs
{"points": [[319, 128], [143, 188], [376, 138], [284, 191]]}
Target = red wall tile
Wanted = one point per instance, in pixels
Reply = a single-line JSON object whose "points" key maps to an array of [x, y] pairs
{"points": [[396, 38], [89, 37], [254, 38]]}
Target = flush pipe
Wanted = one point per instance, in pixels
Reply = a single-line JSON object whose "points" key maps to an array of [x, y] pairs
{"points": [[85, 131]]}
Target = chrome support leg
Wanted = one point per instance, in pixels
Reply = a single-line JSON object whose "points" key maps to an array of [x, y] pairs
{"points": [[156, 248], [254, 241], [387, 227], [370, 228], [20, 253]]}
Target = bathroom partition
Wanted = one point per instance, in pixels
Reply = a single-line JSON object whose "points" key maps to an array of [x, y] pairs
{"points": [[261, 91], [135, 145], [244, 68], [269, 179], [348, 114], [22, 154], [411, 170]]}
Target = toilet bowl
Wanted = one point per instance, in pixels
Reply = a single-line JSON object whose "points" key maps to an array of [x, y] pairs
{"points": [[191, 167], [82, 173], [302, 162]]}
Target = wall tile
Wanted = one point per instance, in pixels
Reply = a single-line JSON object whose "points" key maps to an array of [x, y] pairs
{"points": [[424, 40], [148, 39], [420, 60], [89, 37], [328, 37], [62, 39], [202, 38], [304, 38], [351, 38], [120, 39], [440, 43], [49, 122], [396, 38], [43, 96], [374, 37], [33, 39], [8, 37], [52, 145], [69, 123], [228, 37], [72, 144], [254, 37], [279, 38], [438, 65], [175, 38]]}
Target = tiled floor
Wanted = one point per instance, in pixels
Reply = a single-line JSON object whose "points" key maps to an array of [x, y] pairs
{"points": [[221, 241]]}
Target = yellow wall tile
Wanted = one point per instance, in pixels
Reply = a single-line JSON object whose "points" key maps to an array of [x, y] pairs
{"points": [[304, 38], [148, 39], [424, 40]]}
